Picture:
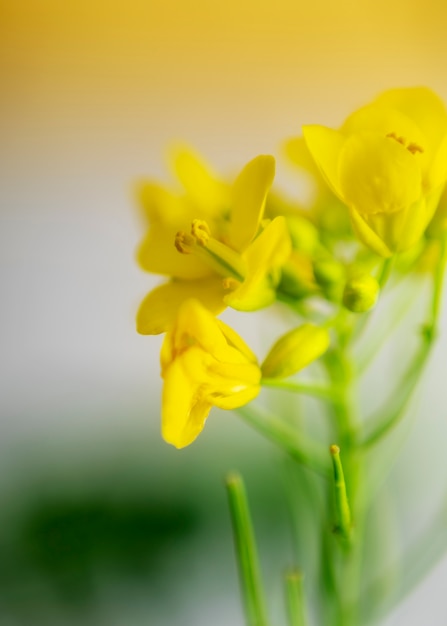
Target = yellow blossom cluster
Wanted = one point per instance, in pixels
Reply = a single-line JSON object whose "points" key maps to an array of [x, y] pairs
{"points": [[379, 192]]}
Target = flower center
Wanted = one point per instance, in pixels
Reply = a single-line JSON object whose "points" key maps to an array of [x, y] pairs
{"points": [[220, 257]]}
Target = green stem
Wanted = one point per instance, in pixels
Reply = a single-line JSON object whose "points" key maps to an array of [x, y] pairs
{"points": [[246, 553], [279, 432], [342, 510], [385, 272], [438, 284], [311, 389], [370, 351], [295, 598], [348, 561], [339, 368], [382, 425]]}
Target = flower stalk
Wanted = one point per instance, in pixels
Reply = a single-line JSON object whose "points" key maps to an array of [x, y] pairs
{"points": [[377, 219], [246, 552], [295, 598]]}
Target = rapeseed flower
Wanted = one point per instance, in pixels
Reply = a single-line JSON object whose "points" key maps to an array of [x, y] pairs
{"points": [[212, 242], [388, 164], [204, 363]]}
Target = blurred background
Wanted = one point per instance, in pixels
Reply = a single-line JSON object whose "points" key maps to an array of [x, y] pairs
{"points": [[101, 522]]}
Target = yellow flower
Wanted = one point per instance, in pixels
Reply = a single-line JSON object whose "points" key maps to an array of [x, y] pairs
{"points": [[388, 164], [208, 242], [204, 363]]}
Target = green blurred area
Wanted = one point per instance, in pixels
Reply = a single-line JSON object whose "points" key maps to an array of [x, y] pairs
{"points": [[138, 533]]}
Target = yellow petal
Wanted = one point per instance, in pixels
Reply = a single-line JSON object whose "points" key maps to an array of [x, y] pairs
{"points": [[298, 153], [248, 200], [237, 399], [228, 385], [158, 310], [263, 257], [167, 214], [384, 121], [157, 202], [183, 417], [377, 174], [236, 341], [215, 378], [196, 325], [401, 230], [438, 170], [235, 377], [325, 145], [208, 194], [366, 235], [158, 254], [421, 105]]}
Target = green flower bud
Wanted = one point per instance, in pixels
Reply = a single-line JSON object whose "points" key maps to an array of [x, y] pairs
{"points": [[328, 273], [296, 278], [295, 350], [303, 234], [360, 293]]}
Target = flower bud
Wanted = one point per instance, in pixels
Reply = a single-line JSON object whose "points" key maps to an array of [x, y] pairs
{"points": [[297, 279], [295, 350], [303, 234], [328, 273], [360, 293]]}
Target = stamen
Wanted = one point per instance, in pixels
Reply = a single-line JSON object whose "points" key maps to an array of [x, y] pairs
{"points": [[400, 140], [184, 242], [414, 147], [220, 257], [411, 147], [230, 283], [201, 232]]}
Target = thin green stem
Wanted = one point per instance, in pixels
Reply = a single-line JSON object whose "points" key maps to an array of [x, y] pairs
{"points": [[347, 562], [310, 389], [342, 509], [279, 432], [371, 350], [385, 271], [246, 553], [438, 284], [295, 598], [339, 368], [383, 424]]}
